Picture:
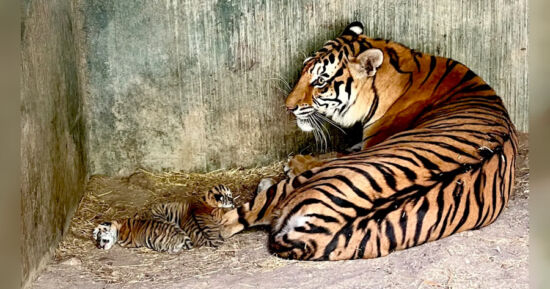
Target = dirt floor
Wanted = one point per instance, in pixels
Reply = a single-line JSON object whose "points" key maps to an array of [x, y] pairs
{"points": [[493, 257]]}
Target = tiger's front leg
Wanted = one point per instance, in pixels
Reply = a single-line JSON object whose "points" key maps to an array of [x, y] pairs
{"points": [[259, 211]]}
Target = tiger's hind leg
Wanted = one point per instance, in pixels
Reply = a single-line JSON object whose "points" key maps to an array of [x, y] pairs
{"points": [[179, 241], [300, 237], [254, 213], [308, 226], [261, 210], [321, 231], [466, 198], [168, 212]]}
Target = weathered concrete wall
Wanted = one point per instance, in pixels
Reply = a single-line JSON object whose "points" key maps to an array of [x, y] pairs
{"points": [[192, 85], [52, 129]]}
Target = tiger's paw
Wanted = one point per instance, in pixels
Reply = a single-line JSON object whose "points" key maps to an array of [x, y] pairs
{"points": [[298, 164], [230, 224], [264, 184], [185, 244]]}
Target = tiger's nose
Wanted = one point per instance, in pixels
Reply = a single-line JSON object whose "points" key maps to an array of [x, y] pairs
{"points": [[290, 108]]}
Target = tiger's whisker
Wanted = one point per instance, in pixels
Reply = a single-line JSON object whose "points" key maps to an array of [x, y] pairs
{"points": [[283, 81], [322, 130], [319, 121], [318, 139], [282, 90], [286, 89], [330, 121]]}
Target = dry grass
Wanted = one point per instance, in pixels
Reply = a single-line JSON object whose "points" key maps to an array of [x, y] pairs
{"points": [[114, 198]]}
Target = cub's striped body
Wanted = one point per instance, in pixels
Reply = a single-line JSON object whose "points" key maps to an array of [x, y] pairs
{"points": [[173, 226], [438, 155], [134, 233], [200, 219]]}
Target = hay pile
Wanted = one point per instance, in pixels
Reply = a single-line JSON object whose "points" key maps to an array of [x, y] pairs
{"points": [[114, 198]]}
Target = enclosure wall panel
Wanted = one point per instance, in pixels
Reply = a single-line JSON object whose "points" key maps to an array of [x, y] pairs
{"points": [[200, 85], [53, 161]]}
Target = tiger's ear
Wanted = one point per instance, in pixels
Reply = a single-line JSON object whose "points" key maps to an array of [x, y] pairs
{"points": [[353, 29], [366, 63]]}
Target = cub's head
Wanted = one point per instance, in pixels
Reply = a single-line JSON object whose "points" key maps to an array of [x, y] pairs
{"points": [[329, 85], [219, 197], [106, 235]]}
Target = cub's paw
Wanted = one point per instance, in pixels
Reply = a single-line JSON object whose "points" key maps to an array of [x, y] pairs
{"points": [[185, 243], [188, 244], [300, 163]]}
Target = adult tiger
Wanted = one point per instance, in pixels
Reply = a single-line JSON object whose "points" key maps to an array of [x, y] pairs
{"points": [[438, 155]]}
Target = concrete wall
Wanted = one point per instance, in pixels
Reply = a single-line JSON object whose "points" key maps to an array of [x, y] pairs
{"points": [[52, 129], [192, 85]]}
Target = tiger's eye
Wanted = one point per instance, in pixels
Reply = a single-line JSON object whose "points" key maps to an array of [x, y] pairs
{"points": [[319, 82]]}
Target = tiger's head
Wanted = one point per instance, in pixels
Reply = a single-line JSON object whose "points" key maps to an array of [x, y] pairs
{"points": [[219, 197], [336, 82], [105, 235]]}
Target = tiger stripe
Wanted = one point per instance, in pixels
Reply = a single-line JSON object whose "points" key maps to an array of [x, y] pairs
{"points": [[157, 235]]}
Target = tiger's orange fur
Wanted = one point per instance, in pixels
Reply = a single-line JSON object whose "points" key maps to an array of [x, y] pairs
{"points": [[438, 155]]}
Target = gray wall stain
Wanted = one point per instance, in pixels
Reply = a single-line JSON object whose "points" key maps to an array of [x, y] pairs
{"points": [[192, 85]]}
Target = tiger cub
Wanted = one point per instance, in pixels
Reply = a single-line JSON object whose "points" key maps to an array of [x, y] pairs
{"points": [[133, 233], [173, 226], [199, 218]]}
